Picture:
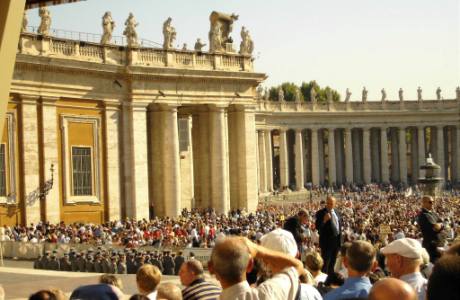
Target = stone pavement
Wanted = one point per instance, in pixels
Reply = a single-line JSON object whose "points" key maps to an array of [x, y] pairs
{"points": [[20, 283]]}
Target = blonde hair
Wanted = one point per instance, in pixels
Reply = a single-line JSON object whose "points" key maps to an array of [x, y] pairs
{"points": [[147, 278]]}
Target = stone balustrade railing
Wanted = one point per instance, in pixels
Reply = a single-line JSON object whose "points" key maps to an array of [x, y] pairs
{"points": [[433, 105], [48, 46]]}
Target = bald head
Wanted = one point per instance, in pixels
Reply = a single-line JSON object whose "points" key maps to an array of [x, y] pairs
{"points": [[230, 259], [330, 202], [391, 289]]}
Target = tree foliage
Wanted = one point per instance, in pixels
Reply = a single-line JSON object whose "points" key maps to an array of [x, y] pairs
{"points": [[289, 90]]}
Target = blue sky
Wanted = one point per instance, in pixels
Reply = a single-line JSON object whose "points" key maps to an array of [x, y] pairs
{"points": [[341, 43]]}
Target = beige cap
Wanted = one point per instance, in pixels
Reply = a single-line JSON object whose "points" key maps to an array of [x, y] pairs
{"points": [[405, 247]]}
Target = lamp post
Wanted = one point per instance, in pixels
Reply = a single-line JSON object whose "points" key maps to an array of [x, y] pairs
{"points": [[13, 207], [431, 179]]}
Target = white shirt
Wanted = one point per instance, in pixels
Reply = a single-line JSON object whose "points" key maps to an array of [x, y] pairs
{"points": [[282, 286], [308, 292], [418, 282], [152, 295]]}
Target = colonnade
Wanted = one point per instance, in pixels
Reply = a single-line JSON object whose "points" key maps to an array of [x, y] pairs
{"points": [[290, 158]]}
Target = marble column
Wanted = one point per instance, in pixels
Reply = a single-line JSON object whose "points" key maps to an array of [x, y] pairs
{"points": [[204, 155], [321, 156], [421, 146], [171, 162], [284, 164], [331, 157], [339, 156], [348, 155], [299, 154], [456, 153], [262, 161], [246, 145], [440, 150], [394, 154], [220, 186], [402, 155], [269, 159], [367, 165], [31, 173], [385, 177], [375, 158], [414, 155], [315, 174], [50, 157], [140, 176]]}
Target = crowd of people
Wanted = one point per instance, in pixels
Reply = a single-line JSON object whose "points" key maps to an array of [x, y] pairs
{"points": [[333, 242]]}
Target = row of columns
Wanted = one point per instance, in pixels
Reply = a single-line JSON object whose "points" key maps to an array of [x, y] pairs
{"points": [[357, 155]]}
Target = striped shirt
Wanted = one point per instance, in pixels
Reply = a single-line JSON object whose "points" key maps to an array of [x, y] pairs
{"points": [[201, 290]]}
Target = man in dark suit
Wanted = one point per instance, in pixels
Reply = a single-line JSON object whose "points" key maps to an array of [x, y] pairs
{"points": [[431, 226], [328, 224]]}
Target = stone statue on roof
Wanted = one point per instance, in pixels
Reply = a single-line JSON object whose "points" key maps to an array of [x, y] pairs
{"points": [[401, 94], [384, 95], [329, 95], [169, 34], [297, 96], [107, 26], [438, 93], [45, 23], [457, 92], [280, 94], [312, 95], [219, 33], [130, 31], [347, 95], [364, 94], [419, 94], [246, 45], [199, 45], [25, 22]]}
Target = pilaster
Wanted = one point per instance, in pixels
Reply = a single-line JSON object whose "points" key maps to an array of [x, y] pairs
{"points": [[50, 157], [440, 150], [112, 123], [30, 156]]}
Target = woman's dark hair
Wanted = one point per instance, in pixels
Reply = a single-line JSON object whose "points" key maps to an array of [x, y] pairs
{"points": [[43, 295]]}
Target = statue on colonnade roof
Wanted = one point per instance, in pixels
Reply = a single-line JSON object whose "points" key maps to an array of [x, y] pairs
{"points": [[438, 93], [45, 23], [130, 31], [246, 45], [419, 94], [25, 22], [364, 95], [347, 95], [219, 33], [107, 26], [169, 34], [401, 94], [384, 95]]}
